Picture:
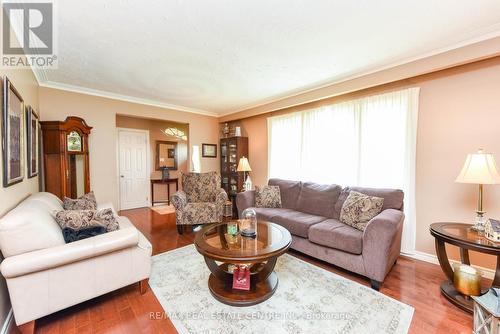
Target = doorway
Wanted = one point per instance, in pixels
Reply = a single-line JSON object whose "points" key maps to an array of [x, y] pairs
{"points": [[134, 169]]}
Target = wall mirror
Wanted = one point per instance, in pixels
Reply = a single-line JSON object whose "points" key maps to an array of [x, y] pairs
{"points": [[166, 155]]}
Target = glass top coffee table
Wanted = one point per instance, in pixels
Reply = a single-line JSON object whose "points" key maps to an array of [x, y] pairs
{"points": [[259, 253]]}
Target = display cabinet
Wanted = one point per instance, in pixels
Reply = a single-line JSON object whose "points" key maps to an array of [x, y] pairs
{"points": [[232, 149]]}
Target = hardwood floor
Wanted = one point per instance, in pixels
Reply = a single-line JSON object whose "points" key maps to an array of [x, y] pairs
{"points": [[127, 311]]}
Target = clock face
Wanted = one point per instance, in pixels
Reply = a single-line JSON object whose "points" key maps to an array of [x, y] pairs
{"points": [[74, 142]]}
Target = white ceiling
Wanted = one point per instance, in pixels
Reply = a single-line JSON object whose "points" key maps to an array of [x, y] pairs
{"points": [[223, 56]]}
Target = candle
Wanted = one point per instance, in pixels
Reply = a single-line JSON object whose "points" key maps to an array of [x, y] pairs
{"points": [[467, 280]]}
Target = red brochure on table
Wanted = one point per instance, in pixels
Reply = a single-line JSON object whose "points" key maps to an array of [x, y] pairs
{"points": [[241, 278]]}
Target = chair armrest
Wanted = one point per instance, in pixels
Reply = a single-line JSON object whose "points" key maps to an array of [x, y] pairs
{"points": [[57, 256], [382, 243], [245, 200], [179, 200], [221, 196]]}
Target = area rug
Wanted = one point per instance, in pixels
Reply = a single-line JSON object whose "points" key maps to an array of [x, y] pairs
{"points": [[308, 299], [163, 209]]}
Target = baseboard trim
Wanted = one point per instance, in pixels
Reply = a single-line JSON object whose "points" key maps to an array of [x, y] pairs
{"points": [[8, 321], [431, 258]]}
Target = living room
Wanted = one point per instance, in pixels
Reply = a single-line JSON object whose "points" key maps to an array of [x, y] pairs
{"points": [[267, 167]]}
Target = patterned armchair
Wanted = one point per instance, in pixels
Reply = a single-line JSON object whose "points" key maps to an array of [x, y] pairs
{"points": [[201, 201]]}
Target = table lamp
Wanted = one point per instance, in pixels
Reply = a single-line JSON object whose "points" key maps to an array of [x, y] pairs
{"points": [[244, 166], [479, 168]]}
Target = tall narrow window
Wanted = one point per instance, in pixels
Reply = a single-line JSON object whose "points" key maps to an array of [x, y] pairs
{"points": [[367, 142]]}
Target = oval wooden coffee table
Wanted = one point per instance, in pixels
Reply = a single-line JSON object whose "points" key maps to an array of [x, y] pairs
{"points": [[259, 253], [462, 236]]}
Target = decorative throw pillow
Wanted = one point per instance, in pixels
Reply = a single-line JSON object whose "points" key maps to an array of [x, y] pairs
{"points": [[83, 219], [267, 197], [107, 218], [77, 219], [86, 202], [358, 209]]}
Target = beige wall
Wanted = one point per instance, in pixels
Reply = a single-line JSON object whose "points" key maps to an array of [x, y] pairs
{"points": [[26, 84], [459, 112], [100, 113], [155, 128]]}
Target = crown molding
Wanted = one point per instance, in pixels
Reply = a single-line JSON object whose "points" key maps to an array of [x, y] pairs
{"points": [[119, 97], [484, 37], [42, 78]]}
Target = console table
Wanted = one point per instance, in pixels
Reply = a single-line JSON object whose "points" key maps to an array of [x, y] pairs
{"points": [[167, 182], [462, 236]]}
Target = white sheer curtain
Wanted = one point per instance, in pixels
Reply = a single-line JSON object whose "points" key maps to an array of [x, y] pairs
{"points": [[369, 142]]}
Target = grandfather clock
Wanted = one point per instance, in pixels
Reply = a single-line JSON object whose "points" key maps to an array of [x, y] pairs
{"points": [[66, 157]]}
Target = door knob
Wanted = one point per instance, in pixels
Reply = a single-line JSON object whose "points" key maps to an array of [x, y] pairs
{"points": [[122, 176]]}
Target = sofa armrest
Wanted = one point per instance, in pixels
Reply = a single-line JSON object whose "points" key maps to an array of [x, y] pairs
{"points": [[179, 200], [245, 200], [57, 256], [382, 243]]}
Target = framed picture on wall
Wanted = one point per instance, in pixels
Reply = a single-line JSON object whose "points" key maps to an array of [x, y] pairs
{"points": [[12, 134], [32, 141], [209, 150]]}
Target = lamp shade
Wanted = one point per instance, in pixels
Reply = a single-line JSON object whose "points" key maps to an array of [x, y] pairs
{"points": [[479, 168], [243, 165]]}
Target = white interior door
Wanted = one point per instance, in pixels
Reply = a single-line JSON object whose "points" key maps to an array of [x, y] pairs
{"points": [[133, 168]]}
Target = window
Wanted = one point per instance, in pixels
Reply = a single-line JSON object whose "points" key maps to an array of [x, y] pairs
{"points": [[368, 142]]}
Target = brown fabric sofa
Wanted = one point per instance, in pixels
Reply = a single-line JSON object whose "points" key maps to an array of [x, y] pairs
{"points": [[311, 212]]}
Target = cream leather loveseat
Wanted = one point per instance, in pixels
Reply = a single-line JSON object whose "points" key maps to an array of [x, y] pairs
{"points": [[45, 275]]}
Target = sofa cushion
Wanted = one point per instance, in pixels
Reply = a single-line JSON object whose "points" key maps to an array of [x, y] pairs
{"points": [[297, 222], [268, 213], [318, 199], [358, 209], [393, 198], [334, 234], [25, 230], [267, 197], [199, 213], [289, 191]]}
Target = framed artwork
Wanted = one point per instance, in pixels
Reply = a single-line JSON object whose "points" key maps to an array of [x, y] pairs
{"points": [[12, 134], [32, 141], [209, 150]]}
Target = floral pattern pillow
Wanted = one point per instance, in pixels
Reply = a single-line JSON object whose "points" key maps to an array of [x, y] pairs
{"points": [[358, 209], [83, 219], [86, 202], [267, 197]]}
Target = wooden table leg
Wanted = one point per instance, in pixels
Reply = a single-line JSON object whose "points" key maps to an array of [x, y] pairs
{"points": [[168, 193], [27, 328], [443, 259], [496, 280], [152, 194], [464, 256]]}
